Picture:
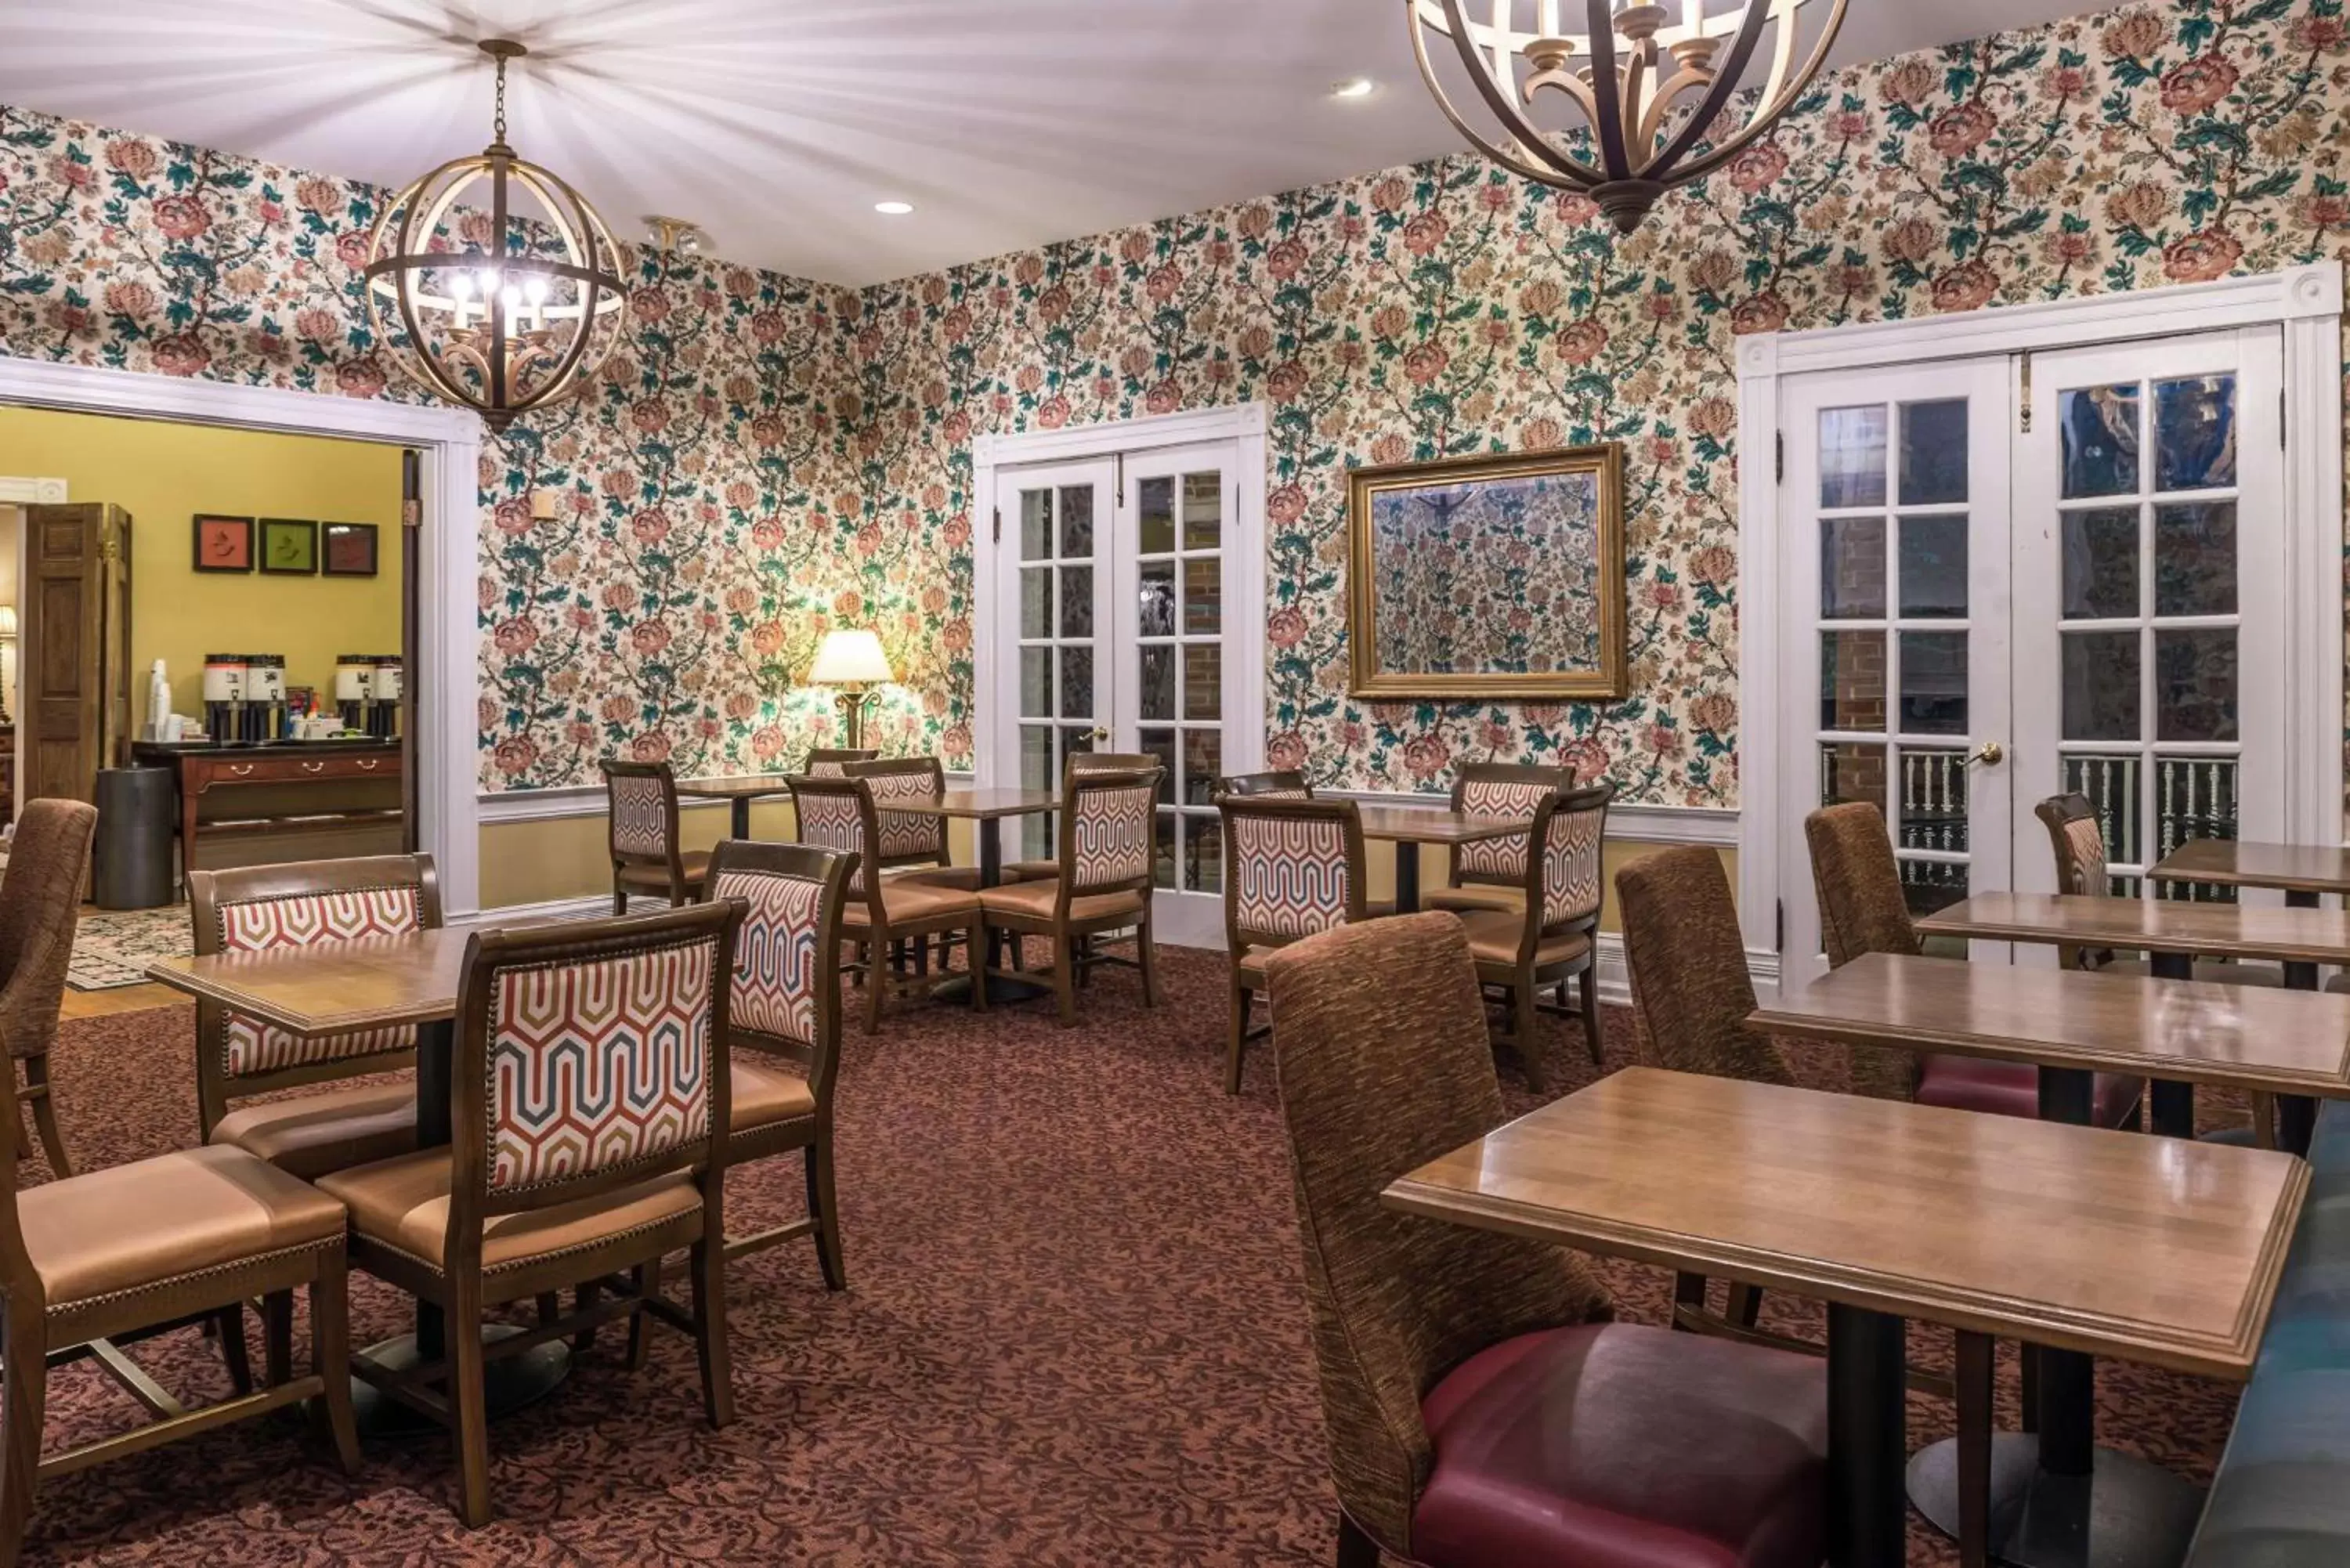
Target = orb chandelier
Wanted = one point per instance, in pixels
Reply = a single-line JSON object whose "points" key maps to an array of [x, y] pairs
{"points": [[1647, 89], [503, 276]]}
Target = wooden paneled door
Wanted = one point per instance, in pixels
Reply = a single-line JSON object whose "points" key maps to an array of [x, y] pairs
{"points": [[74, 666]]}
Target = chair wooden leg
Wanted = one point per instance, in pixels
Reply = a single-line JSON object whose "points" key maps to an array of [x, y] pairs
{"points": [[1522, 1027], [550, 1306], [973, 936], [582, 1298], [647, 1280], [875, 984], [1588, 985], [277, 1339], [469, 1404], [330, 1357], [619, 894], [1148, 954], [1689, 1290], [228, 1327], [1064, 978], [1236, 1042], [43, 1093], [1356, 1548], [1745, 1308], [824, 1208], [710, 1329], [24, 1401]]}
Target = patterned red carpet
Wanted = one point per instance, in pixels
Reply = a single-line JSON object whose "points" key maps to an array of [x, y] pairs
{"points": [[1073, 1334]]}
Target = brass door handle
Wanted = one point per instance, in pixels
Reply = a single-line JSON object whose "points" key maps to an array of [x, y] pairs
{"points": [[1101, 734], [1990, 754]]}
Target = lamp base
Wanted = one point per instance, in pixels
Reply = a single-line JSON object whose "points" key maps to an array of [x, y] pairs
{"points": [[852, 701]]}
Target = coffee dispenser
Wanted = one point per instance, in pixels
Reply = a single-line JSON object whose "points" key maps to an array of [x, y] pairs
{"points": [[383, 722], [224, 675], [264, 697], [368, 689]]}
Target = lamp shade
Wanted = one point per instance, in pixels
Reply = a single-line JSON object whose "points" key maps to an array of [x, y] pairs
{"points": [[847, 657], [7, 621]]}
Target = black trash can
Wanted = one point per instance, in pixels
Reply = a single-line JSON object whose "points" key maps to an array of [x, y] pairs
{"points": [[131, 861]]}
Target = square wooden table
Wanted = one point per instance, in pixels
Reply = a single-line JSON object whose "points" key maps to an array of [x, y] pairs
{"points": [[988, 808], [740, 790], [1411, 829], [2145, 1249]]}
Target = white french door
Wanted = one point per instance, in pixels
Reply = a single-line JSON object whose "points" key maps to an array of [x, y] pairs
{"points": [[1118, 582], [1987, 610]]}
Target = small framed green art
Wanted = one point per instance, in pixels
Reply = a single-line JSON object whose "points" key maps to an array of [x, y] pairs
{"points": [[289, 547]]}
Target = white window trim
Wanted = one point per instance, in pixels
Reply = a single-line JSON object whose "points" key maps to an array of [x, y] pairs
{"points": [[2304, 301], [1243, 424], [448, 627]]}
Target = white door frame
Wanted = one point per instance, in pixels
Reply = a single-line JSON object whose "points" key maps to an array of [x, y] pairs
{"points": [[449, 551], [1243, 423], [2305, 301]]}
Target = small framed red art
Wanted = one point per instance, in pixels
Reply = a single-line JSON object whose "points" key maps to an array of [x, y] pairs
{"points": [[349, 549], [224, 544]]}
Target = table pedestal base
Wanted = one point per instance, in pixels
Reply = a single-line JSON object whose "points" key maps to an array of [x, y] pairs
{"points": [[2130, 1514], [513, 1384]]}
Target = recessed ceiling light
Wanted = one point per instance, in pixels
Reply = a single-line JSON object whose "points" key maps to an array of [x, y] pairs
{"points": [[895, 208], [1354, 86]]}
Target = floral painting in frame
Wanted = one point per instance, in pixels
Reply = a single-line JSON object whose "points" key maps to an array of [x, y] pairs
{"points": [[1489, 577]]}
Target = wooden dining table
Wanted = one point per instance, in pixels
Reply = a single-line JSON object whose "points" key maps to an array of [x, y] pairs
{"points": [[1413, 829], [989, 808], [2071, 1024], [741, 791], [325, 989], [2147, 1249], [2304, 873]]}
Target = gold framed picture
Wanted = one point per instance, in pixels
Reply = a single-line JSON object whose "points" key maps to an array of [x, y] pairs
{"points": [[1487, 577]]}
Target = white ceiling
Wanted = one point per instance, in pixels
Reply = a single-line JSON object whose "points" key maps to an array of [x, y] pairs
{"points": [[776, 124]]}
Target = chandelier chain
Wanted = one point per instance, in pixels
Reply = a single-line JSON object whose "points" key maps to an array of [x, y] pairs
{"points": [[501, 131]]}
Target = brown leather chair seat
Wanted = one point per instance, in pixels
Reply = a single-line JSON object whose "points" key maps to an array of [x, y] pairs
{"points": [[764, 1096], [1622, 1446], [1478, 896], [1495, 935], [129, 1226], [1036, 899], [905, 900], [695, 861], [2012, 1089], [403, 1204], [1033, 871], [311, 1135], [962, 879]]}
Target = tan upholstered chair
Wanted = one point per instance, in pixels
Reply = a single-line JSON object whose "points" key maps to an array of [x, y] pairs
{"points": [[785, 1011], [827, 761], [2078, 843], [913, 846], [641, 804], [556, 1177], [1857, 879], [1282, 784], [38, 911], [1079, 763], [1491, 874], [1101, 894], [841, 815], [1293, 867], [1482, 1411], [1547, 939], [91, 1263]]}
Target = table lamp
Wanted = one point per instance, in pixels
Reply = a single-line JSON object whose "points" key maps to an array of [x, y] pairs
{"points": [[852, 661], [8, 637]]}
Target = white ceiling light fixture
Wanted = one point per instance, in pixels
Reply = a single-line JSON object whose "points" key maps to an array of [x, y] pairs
{"points": [[674, 236], [519, 307], [1354, 86], [1643, 112], [893, 209]]}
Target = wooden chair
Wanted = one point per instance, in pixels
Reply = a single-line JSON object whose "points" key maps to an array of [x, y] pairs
{"points": [[91, 1263], [556, 1176], [1102, 888], [840, 815], [826, 761], [1863, 910], [1482, 1411], [641, 799], [1293, 867], [1282, 784], [1491, 874], [913, 846], [2078, 841], [1079, 763], [1548, 941], [46, 862], [785, 1007]]}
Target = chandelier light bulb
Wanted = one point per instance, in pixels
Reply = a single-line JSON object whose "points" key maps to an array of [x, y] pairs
{"points": [[460, 285], [536, 291]]}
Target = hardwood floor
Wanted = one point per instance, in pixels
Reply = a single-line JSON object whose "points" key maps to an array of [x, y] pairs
{"points": [[123, 999]]}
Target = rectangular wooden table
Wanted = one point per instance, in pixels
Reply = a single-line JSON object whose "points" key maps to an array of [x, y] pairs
{"points": [[740, 790], [1410, 828], [2142, 1249], [2305, 872]]}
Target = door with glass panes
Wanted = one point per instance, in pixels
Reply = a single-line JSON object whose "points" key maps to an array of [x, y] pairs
{"points": [[2007, 579], [1119, 576]]}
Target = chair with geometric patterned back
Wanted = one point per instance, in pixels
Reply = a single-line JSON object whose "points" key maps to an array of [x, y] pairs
{"points": [[1281, 784], [1550, 942], [2078, 841], [589, 1102], [912, 845], [841, 815], [785, 1008], [641, 804], [1044, 870], [1101, 888], [827, 761], [47, 860], [1491, 874], [1293, 866]]}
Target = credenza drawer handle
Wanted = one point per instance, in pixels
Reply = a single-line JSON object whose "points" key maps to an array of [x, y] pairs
{"points": [[367, 764], [240, 769], [313, 767]]}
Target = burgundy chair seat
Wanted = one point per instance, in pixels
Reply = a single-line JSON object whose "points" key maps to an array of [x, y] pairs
{"points": [[1622, 1446], [2012, 1089]]}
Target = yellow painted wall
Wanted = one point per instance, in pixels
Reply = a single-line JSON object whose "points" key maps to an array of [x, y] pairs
{"points": [[163, 474]]}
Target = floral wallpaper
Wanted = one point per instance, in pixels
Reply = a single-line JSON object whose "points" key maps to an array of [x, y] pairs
{"points": [[769, 456]]}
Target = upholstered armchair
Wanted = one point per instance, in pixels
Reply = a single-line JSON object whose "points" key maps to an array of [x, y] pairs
{"points": [[913, 844], [842, 815], [641, 804], [1481, 1410], [46, 862], [1282, 784], [1100, 893], [827, 761], [1491, 874], [2078, 843], [1078, 763], [1548, 939], [1293, 866]]}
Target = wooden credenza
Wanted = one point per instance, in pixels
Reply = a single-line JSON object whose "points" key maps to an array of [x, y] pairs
{"points": [[290, 788]]}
